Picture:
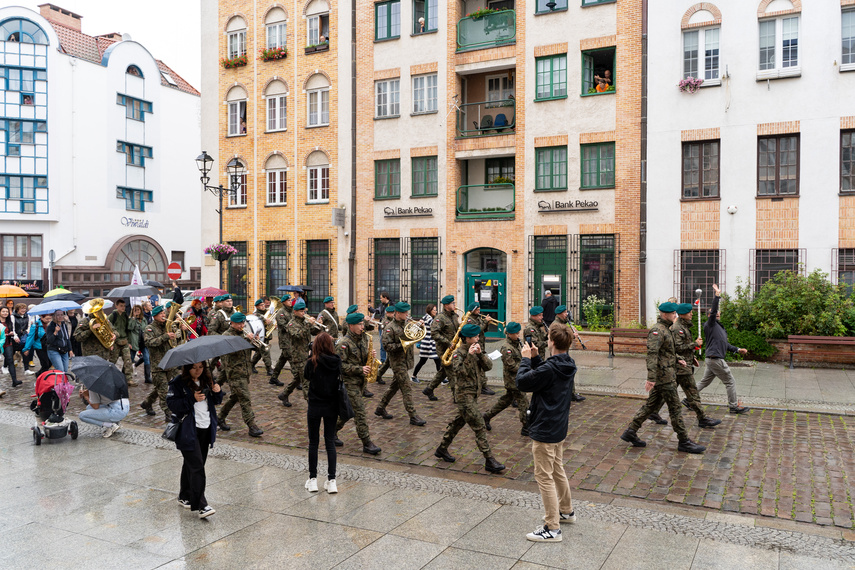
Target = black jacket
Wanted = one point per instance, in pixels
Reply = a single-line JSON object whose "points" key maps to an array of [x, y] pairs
{"points": [[715, 336], [22, 324], [323, 383], [550, 383], [180, 400], [549, 304], [54, 340]]}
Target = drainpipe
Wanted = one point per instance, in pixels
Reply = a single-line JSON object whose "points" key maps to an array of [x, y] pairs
{"points": [[351, 293], [642, 243]]}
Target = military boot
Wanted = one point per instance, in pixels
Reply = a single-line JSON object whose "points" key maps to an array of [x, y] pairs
{"points": [[147, 369], [417, 421], [487, 425], [493, 466], [524, 431], [255, 431], [367, 394], [708, 423], [283, 397], [274, 381], [337, 441], [690, 446], [443, 454], [429, 393], [381, 411], [146, 405], [630, 436], [369, 447], [486, 391], [221, 423], [654, 417]]}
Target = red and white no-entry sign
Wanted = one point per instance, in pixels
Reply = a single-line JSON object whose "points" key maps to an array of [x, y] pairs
{"points": [[174, 270]]}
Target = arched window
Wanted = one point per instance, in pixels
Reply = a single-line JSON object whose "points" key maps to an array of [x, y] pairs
{"points": [[701, 36], [23, 31], [276, 168], [318, 167], [318, 100], [779, 38], [277, 105], [236, 30], [276, 26], [134, 70], [318, 23], [142, 253], [236, 99]]}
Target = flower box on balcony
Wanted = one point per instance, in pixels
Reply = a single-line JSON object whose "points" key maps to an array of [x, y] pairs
{"points": [[318, 47], [231, 63], [272, 54]]}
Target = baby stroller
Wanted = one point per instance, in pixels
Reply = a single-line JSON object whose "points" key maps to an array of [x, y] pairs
{"points": [[53, 392]]}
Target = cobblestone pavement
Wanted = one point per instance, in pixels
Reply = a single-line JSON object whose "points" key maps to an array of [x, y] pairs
{"points": [[113, 503], [787, 465]]}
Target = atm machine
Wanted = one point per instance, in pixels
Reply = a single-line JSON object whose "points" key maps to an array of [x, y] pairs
{"points": [[551, 283]]}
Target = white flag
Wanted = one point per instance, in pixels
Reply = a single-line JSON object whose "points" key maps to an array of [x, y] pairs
{"points": [[137, 280]]}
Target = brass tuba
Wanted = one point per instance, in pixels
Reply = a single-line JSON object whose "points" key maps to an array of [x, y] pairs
{"points": [[455, 342], [414, 331], [104, 334], [372, 362], [276, 307], [169, 325]]}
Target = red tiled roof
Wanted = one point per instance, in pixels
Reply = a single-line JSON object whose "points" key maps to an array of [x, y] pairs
{"points": [[79, 45]]}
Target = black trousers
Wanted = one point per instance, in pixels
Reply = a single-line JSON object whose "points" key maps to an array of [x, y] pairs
{"points": [[44, 361], [422, 362], [8, 354], [193, 471], [329, 418], [19, 347]]}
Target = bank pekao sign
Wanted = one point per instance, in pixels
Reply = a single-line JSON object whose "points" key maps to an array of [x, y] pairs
{"points": [[134, 222], [411, 212], [548, 207]]}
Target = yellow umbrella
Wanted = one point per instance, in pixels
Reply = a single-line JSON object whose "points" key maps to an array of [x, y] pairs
{"points": [[12, 291], [57, 291]]}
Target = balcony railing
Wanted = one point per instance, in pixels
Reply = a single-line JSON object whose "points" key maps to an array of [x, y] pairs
{"points": [[486, 201], [490, 30], [486, 118]]}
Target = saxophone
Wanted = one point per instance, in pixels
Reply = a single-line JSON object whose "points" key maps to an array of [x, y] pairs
{"points": [[104, 334], [372, 362], [455, 342]]}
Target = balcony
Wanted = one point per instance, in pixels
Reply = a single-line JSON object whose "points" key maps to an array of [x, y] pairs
{"points": [[486, 31], [486, 201], [486, 118]]}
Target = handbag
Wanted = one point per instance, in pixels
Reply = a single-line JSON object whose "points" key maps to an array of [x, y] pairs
{"points": [[171, 431], [345, 409]]}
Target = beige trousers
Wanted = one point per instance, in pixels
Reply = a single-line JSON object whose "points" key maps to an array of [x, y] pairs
{"points": [[551, 480]]}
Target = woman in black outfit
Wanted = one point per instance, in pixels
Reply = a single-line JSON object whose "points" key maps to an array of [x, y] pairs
{"points": [[192, 397], [323, 373]]}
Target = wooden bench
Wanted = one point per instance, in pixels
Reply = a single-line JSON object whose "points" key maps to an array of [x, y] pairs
{"points": [[627, 337], [796, 341]]}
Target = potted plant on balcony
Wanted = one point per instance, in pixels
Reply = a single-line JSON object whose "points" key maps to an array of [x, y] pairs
{"points": [[231, 63], [501, 180], [480, 13], [220, 251], [690, 85], [272, 54]]}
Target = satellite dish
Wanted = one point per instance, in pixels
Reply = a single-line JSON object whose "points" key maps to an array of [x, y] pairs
{"points": [[126, 37]]}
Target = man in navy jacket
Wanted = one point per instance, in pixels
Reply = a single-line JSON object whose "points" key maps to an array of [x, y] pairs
{"points": [[550, 383]]}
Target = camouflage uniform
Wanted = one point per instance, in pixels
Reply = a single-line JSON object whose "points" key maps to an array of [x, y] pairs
{"points": [[511, 358], [262, 353], [685, 347], [442, 330], [400, 361], [480, 321], [238, 369], [539, 335], [121, 348], [300, 334], [466, 373], [218, 323], [353, 351], [157, 341], [282, 320], [329, 318], [90, 344], [661, 363], [389, 317]]}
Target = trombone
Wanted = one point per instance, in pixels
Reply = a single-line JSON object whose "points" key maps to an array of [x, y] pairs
{"points": [[488, 317]]}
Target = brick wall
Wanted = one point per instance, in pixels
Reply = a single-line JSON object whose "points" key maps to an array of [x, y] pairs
{"points": [[778, 223], [699, 224]]}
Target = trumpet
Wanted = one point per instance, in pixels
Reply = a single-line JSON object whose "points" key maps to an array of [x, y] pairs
{"points": [[495, 321], [255, 341], [314, 321]]}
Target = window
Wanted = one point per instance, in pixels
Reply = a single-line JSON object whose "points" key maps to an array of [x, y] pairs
{"points": [[317, 273], [700, 169], [277, 266], [778, 165], [277, 187], [846, 268], [277, 107], [847, 161], [236, 273], [551, 168], [319, 107], [387, 179], [500, 87], [779, 36], [136, 154], [542, 8], [237, 118], [387, 267], [598, 165], [237, 198], [699, 42], [319, 184], [551, 77], [237, 44], [276, 28], [425, 16], [22, 31], [550, 261], [387, 20], [387, 98], [424, 93], [21, 257], [698, 269], [134, 108], [595, 2], [24, 80], [134, 71], [424, 176], [318, 28], [23, 194], [135, 198], [499, 168], [15, 133], [769, 262], [424, 274], [598, 67], [847, 59], [597, 276]]}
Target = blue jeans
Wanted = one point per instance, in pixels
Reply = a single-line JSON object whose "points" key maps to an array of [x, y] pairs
{"points": [[145, 357], [58, 360], [112, 413], [382, 351]]}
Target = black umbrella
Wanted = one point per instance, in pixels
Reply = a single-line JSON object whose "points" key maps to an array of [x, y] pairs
{"points": [[154, 283], [133, 291], [295, 288], [201, 349], [74, 297], [100, 376], [306, 288]]}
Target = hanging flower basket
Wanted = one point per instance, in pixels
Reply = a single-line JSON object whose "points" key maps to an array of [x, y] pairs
{"points": [[238, 61], [220, 251], [690, 85], [272, 54]]}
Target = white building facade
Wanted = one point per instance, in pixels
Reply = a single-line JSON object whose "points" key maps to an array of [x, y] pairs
{"points": [[752, 173], [97, 170]]}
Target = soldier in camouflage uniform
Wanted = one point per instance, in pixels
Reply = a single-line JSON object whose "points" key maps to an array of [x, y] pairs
{"points": [[536, 329], [367, 327], [329, 318], [511, 358], [353, 351], [238, 369], [685, 345], [442, 330], [89, 342], [218, 323], [562, 316], [400, 361], [388, 317], [483, 323], [121, 349], [282, 319], [466, 362], [262, 353], [156, 339], [300, 332], [661, 374]]}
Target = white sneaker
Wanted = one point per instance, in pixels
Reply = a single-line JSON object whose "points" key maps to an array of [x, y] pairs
{"points": [[312, 485], [564, 518], [2, 393], [4, 370], [183, 503], [29, 372], [544, 534], [111, 430], [205, 512], [330, 487]]}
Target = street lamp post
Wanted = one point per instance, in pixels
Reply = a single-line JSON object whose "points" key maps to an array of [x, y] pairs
{"points": [[204, 162]]}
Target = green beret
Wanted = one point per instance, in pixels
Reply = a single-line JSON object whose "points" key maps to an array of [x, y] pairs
{"points": [[535, 311], [226, 297], [684, 308], [285, 297], [402, 307], [560, 309], [351, 309], [218, 298], [237, 317], [354, 318], [259, 302], [472, 306], [447, 300], [299, 305], [469, 331], [512, 327], [157, 310], [668, 307], [328, 299]]}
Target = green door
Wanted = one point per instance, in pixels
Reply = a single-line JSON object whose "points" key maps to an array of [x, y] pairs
{"points": [[489, 290]]}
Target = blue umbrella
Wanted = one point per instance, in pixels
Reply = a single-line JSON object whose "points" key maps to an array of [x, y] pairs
{"points": [[295, 288], [51, 307]]}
